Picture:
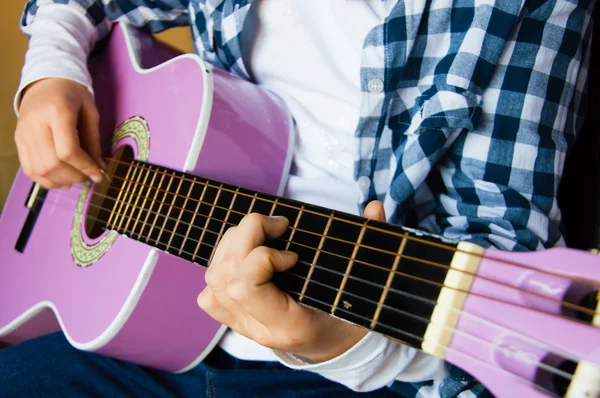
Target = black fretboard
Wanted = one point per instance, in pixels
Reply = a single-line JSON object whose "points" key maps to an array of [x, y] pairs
{"points": [[380, 276]]}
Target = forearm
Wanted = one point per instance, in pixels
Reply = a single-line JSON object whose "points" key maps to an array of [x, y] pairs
{"points": [[62, 35], [61, 39]]}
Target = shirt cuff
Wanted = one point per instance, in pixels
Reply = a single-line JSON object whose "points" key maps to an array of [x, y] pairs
{"points": [[61, 39], [374, 362]]}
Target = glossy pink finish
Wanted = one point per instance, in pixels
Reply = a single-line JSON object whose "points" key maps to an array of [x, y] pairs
{"points": [[166, 328], [504, 333], [253, 149]]}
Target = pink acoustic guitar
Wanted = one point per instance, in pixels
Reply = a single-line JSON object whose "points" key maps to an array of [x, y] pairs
{"points": [[118, 266]]}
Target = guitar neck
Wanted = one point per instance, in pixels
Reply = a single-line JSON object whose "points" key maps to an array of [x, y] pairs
{"points": [[383, 277]]}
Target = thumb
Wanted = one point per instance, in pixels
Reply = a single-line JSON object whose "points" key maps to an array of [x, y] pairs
{"points": [[375, 211]]}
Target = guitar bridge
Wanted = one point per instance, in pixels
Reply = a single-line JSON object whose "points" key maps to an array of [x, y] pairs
{"points": [[35, 201]]}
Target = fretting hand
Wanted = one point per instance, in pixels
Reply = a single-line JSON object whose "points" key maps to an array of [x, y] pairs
{"points": [[57, 134], [240, 294]]}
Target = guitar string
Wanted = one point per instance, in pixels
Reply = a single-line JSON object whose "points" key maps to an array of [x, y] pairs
{"points": [[141, 165], [392, 290], [430, 302], [400, 256]]}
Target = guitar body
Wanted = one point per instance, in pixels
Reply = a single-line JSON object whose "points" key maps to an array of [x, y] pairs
{"points": [[111, 294]]}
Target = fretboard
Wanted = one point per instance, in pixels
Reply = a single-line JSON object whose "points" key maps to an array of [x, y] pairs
{"points": [[380, 276]]}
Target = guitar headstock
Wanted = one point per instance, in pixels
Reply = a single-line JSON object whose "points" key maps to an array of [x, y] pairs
{"points": [[528, 324]]}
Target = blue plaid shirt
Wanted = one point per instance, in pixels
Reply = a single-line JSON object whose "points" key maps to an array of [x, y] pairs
{"points": [[468, 109]]}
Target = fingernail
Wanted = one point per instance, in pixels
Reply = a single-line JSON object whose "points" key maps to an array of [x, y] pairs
{"points": [[277, 218], [97, 178], [291, 256]]}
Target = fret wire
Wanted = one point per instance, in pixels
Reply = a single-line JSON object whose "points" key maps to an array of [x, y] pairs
{"points": [[287, 245], [144, 202], [160, 205], [388, 283], [316, 256], [129, 196], [252, 203], [205, 228], [169, 211], [193, 217], [224, 222], [564, 303], [349, 268], [137, 199], [154, 200], [274, 206], [180, 212], [117, 202]]}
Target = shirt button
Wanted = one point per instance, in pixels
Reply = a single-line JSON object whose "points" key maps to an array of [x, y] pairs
{"points": [[375, 86], [364, 183]]}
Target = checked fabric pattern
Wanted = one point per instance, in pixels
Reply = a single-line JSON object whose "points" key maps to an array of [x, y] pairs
{"points": [[468, 109]]}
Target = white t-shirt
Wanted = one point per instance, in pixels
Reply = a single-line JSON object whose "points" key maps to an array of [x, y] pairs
{"points": [[284, 51]]}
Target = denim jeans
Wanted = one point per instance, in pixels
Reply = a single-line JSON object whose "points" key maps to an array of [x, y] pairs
{"points": [[50, 367]]}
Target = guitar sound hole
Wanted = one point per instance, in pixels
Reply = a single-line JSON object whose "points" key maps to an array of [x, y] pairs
{"points": [[104, 195]]}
